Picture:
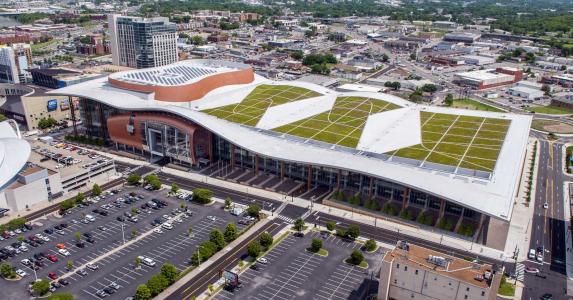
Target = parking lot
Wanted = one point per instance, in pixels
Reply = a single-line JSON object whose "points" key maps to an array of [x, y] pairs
{"points": [[293, 273], [104, 234]]}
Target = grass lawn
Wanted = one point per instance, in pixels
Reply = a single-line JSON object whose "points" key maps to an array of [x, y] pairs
{"points": [[253, 107], [550, 110], [464, 141], [322, 252], [363, 264], [506, 289], [40, 46], [474, 105], [342, 125], [551, 126]]}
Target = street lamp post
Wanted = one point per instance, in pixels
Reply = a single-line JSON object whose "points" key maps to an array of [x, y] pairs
{"points": [[123, 233]]}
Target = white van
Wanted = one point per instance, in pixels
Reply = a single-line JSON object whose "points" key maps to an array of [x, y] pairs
{"points": [[90, 218]]}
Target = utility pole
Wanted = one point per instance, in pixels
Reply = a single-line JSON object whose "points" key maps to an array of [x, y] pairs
{"points": [[515, 254]]}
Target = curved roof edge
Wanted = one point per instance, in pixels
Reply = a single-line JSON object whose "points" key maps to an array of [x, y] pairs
{"points": [[14, 153], [493, 197]]}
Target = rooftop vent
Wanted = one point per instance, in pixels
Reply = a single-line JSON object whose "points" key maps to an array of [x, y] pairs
{"points": [[438, 261]]}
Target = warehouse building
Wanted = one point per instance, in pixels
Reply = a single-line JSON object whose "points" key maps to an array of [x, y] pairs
{"points": [[488, 78]]}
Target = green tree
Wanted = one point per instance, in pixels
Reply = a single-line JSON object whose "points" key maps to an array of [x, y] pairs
{"points": [[61, 296], [353, 231], [80, 198], [70, 265], [254, 210], [96, 190], [315, 245], [7, 271], [298, 55], [546, 89], [20, 238], [133, 179], [356, 257], [78, 236], [142, 293], [137, 262], [385, 57], [134, 233], [429, 88], [330, 225], [190, 231], [449, 101], [298, 224], [202, 196], [41, 287], [266, 240], [67, 204], [370, 245], [197, 40], [174, 188], [156, 284], [413, 56], [254, 249], [217, 238], [228, 203], [170, 272], [230, 232]]}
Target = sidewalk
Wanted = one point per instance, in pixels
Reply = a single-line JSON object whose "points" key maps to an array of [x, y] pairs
{"points": [[569, 252], [519, 234], [380, 222]]}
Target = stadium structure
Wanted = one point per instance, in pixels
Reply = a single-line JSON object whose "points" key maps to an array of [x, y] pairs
{"points": [[459, 169]]}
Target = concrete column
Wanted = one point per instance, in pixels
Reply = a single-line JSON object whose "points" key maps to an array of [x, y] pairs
{"points": [[211, 156], [405, 198], [256, 164], [309, 178], [370, 188], [459, 223], [338, 179], [232, 156], [442, 209], [282, 169]]}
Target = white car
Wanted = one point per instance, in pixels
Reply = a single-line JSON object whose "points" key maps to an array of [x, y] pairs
{"points": [[21, 273], [531, 270], [92, 266], [25, 262], [64, 252], [262, 260], [23, 248], [545, 205], [166, 217], [212, 218], [146, 260], [167, 225], [158, 230]]}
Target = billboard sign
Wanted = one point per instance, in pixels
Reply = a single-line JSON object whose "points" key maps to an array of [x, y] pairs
{"points": [[230, 277], [52, 105], [64, 104]]}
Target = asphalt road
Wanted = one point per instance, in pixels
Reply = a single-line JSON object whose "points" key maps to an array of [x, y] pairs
{"points": [[210, 275], [391, 237], [548, 226], [220, 192]]}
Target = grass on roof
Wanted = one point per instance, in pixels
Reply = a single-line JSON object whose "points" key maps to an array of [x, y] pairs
{"points": [[474, 105], [461, 141], [342, 125], [253, 107]]}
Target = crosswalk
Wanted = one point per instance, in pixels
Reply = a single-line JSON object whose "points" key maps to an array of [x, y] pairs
{"points": [[286, 219], [520, 271]]}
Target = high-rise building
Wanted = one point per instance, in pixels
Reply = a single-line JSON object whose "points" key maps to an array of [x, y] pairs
{"points": [[15, 60], [142, 42]]}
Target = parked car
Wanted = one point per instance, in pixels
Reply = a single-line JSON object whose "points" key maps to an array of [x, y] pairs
{"points": [[53, 275]]}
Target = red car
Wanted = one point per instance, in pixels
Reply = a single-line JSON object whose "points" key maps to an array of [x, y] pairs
{"points": [[53, 275], [52, 257]]}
